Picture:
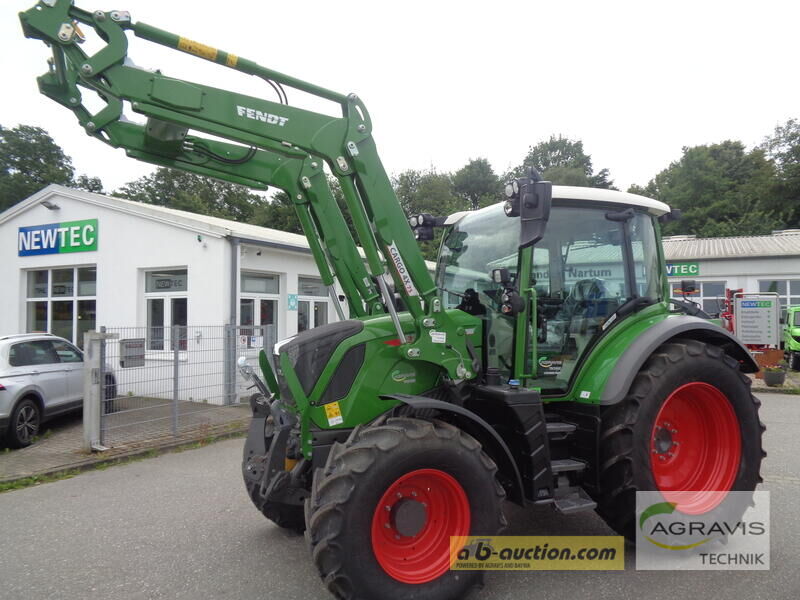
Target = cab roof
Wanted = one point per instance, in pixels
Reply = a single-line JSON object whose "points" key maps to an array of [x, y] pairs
{"points": [[570, 192]]}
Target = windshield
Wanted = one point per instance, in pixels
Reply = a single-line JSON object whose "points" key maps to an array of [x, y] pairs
{"points": [[579, 274], [797, 318]]}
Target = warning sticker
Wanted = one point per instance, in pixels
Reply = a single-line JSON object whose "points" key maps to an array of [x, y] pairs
{"points": [[438, 337], [197, 48], [334, 414]]}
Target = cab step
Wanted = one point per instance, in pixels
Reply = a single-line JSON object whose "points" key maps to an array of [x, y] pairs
{"points": [[560, 428], [564, 465], [577, 500]]}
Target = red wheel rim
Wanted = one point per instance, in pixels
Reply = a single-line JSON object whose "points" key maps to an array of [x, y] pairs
{"points": [[413, 522], [695, 448]]}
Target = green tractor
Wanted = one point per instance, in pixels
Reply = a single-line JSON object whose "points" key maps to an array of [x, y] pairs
{"points": [[543, 364], [791, 337]]}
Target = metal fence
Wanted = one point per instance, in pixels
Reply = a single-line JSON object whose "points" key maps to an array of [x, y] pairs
{"points": [[167, 382]]}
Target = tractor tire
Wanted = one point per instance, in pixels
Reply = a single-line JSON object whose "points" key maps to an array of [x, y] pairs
{"points": [[391, 488], [287, 516], [711, 441], [794, 361]]}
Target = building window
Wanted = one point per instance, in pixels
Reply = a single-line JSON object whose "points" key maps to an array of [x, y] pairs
{"points": [[710, 295], [788, 291], [167, 308], [312, 303], [62, 302], [258, 304]]}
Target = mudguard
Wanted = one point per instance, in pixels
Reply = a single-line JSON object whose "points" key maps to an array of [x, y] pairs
{"points": [[506, 463], [645, 344]]}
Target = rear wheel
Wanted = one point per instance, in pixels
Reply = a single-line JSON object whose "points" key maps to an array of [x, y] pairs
{"points": [[23, 426], [382, 512], [688, 423]]}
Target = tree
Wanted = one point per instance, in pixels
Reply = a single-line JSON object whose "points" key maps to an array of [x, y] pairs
{"points": [[89, 184], [564, 162], [477, 184], [722, 190], [278, 213], [29, 161], [194, 193], [783, 147]]}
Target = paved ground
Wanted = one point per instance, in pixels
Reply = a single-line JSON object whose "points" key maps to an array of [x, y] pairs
{"points": [[129, 431], [180, 526]]}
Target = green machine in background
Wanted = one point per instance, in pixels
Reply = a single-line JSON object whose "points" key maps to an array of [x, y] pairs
{"points": [[544, 362], [791, 337]]}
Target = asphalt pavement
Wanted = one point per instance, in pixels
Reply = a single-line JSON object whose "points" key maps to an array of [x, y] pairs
{"points": [[181, 526]]}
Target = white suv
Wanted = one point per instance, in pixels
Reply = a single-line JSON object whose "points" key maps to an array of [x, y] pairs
{"points": [[41, 376]]}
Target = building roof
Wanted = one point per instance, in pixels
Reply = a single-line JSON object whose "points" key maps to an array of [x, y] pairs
{"points": [[780, 243], [207, 225], [204, 224]]}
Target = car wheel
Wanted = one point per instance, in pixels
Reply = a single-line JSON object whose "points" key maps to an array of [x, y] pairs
{"points": [[24, 424], [109, 395]]}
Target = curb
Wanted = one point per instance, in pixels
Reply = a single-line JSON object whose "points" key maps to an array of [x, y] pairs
{"points": [[163, 447], [769, 390]]}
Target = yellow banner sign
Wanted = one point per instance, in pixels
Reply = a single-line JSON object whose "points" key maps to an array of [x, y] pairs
{"points": [[537, 553]]}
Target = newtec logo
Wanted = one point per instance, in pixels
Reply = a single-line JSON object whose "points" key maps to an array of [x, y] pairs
{"points": [[58, 238]]}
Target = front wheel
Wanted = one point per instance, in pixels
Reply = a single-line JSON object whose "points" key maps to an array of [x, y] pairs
{"points": [[688, 428], [794, 360], [383, 510]]}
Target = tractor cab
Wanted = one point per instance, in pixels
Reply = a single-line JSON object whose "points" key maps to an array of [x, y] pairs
{"points": [[599, 253]]}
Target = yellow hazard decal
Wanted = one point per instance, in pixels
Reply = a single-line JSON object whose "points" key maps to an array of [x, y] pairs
{"points": [[197, 48], [231, 60], [333, 413]]}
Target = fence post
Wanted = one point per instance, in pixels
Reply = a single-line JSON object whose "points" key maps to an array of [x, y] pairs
{"points": [[175, 381], [228, 362], [269, 344], [103, 387], [93, 350]]}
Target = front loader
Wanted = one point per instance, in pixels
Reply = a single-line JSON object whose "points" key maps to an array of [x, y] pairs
{"points": [[544, 363]]}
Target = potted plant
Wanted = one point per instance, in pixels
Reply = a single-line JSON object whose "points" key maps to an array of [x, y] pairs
{"points": [[775, 375]]}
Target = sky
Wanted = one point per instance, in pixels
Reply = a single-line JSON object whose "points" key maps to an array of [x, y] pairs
{"points": [[446, 82]]}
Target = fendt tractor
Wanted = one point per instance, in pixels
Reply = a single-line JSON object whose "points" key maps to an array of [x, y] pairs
{"points": [[543, 364]]}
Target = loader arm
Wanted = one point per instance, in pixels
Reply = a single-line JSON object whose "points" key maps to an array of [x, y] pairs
{"points": [[269, 144]]}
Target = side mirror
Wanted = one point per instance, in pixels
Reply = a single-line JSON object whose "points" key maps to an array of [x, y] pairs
{"points": [[688, 286], [529, 198]]}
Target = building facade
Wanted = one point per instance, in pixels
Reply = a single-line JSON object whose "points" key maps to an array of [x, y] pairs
{"points": [[73, 261], [753, 264]]}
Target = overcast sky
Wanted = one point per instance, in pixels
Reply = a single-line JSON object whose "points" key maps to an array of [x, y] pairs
{"points": [[449, 81]]}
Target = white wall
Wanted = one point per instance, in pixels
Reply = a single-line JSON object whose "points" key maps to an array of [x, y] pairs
{"points": [[129, 244], [745, 272]]}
